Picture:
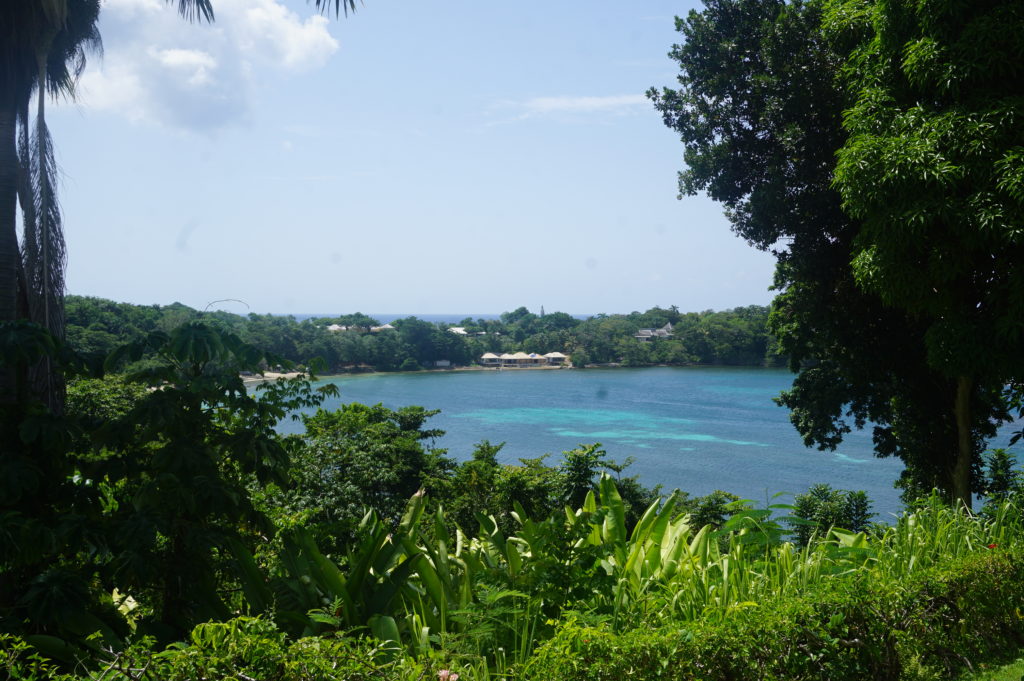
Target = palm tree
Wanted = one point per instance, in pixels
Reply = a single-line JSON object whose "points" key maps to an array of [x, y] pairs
{"points": [[62, 32], [19, 70], [43, 45]]}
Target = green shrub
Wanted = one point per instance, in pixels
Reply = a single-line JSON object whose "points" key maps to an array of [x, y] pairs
{"points": [[822, 508], [933, 625], [19, 660], [243, 648]]}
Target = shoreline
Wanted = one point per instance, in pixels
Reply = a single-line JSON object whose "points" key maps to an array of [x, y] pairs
{"points": [[275, 375]]}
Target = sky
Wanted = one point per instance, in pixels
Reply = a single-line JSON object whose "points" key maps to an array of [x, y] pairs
{"points": [[413, 157]]}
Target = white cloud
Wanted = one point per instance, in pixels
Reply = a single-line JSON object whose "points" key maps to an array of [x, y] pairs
{"points": [[194, 66], [129, 7], [569, 107], [115, 88], [615, 104], [271, 30], [161, 69]]}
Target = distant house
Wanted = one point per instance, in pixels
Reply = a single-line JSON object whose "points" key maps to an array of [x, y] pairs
{"points": [[335, 328], [442, 363], [521, 359], [378, 329], [647, 335], [459, 330]]}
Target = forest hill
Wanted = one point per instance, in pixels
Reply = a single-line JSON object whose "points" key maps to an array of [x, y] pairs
{"points": [[738, 337]]}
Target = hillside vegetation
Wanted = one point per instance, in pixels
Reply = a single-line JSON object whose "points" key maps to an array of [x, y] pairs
{"points": [[733, 337]]}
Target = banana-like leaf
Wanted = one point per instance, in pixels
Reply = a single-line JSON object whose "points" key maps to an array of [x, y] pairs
{"points": [[386, 629], [614, 526], [367, 552], [433, 587], [327, 575], [54, 648], [515, 561], [254, 585], [382, 598]]}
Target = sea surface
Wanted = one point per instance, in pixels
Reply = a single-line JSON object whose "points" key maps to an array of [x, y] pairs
{"points": [[695, 428], [388, 317]]}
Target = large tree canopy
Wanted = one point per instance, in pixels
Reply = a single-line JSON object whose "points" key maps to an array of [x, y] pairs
{"points": [[761, 119], [933, 168]]}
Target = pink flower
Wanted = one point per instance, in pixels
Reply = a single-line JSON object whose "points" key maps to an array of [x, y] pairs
{"points": [[447, 675]]}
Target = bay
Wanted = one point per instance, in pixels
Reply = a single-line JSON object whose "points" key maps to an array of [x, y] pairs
{"points": [[695, 428]]}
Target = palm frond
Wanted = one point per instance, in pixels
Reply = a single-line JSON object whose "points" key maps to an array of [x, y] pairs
{"points": [[44, 254], [45, 266], [194, 9], [340, 6], [78, 37]]}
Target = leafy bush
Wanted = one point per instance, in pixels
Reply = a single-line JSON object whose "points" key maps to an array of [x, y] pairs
{"points": [[932, 626], [19, 660], [242, 648], [822, 508], [1002, 477], [357, 458]]}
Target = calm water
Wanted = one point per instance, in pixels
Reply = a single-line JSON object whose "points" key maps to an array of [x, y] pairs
{"points": [[698, 429]]}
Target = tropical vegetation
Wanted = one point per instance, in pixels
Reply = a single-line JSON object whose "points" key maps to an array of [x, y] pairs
{"points": [[357, 342], [154, 524], [873, 147], [172, 532]]}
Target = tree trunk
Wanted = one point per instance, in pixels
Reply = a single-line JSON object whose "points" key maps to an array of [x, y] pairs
{"points": [[43, 214], [961, 491], [10, 256]]}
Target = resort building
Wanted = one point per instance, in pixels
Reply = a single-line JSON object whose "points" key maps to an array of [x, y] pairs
{"points": [[647, 335], [521, 359]]}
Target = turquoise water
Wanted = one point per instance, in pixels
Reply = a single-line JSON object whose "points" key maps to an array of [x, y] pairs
{"points": [[695, 428]]}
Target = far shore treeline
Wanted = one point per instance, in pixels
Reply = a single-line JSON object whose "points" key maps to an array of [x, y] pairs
{"points": [[737, 337]]}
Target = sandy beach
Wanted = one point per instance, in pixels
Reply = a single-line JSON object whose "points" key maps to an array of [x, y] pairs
{"points": [[272, 376]]}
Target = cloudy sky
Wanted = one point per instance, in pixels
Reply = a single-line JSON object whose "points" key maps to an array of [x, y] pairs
{"points": [[416, 157]]}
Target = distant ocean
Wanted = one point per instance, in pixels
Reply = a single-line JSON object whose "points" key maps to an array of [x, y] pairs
{"points": [[385, 317]]}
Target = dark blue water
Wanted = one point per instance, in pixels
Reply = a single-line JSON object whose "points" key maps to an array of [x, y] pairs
{"points": [[695, 428], [388, 317]]}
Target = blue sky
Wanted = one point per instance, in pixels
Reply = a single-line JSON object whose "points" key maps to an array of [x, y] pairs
{"points": [[415, 157]]}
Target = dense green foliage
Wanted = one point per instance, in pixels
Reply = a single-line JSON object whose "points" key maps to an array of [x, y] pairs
{"points": [[931, 168], [765, 100], [925, 627], [160, 527], [144, 491], [733, 337], [185, 517], [821, 508]]}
